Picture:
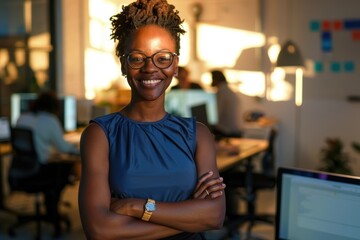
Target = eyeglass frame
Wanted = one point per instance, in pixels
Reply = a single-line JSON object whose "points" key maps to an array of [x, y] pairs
{"points": [[126, 55]]}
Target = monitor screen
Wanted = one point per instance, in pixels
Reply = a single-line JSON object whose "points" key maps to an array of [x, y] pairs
{"points": [[21, 102], [4, 129], [68, 116], [314, 205], [180, 102]]}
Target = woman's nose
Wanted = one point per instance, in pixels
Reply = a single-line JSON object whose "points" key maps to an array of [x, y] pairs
{"points": [[149, 65]]}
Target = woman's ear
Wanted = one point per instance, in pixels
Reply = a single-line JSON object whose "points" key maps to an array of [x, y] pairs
{"points": [[176, 65]]}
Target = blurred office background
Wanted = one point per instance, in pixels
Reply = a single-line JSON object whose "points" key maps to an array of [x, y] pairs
{"points": [[65, 45]]}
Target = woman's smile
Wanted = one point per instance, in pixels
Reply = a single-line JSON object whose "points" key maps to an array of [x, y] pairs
{"points": [[150, 83]]}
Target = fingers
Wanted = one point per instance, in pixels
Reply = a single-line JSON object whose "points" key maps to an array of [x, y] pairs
{"points": [[215, 190], [212, 188], [203, 179], [199, 189]]}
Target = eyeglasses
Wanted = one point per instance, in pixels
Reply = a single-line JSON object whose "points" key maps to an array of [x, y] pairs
{"points": [[162, 60]]}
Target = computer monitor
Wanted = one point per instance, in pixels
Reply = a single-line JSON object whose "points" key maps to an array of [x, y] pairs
{"points": [[21, 102], [313, 205], [200, 113], [4, 129], [180, 102]]}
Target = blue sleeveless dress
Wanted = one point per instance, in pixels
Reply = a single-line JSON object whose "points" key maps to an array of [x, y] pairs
{"points": [[152, 159]]}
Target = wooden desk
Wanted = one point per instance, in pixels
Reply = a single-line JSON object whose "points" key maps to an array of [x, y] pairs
{"points": [[5, 150], [73, 137], [235, 151], [227, 157]]}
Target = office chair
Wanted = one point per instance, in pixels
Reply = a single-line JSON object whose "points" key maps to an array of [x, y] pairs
{"points": [[236, 184], [26, 174]]}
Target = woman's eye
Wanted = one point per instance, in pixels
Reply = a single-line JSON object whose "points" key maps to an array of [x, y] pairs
{"points": [[164, 59], [136, 59]]}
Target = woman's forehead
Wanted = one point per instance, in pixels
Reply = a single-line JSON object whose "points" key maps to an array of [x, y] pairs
{"points": [[151, 38]]}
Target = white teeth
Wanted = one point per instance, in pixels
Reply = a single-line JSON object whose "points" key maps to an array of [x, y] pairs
{"points": [[150, 82]]}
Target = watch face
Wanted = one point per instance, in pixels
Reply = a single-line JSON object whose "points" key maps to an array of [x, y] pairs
{"points": [[150, 207]]}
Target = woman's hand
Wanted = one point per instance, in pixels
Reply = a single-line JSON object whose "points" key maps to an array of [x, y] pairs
{"points": [[208, 187]]}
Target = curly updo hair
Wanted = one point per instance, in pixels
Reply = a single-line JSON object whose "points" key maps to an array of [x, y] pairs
{"points": [[145, 12]]}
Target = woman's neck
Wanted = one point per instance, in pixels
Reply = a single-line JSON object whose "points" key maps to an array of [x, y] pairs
{"points": [[144, 112]]}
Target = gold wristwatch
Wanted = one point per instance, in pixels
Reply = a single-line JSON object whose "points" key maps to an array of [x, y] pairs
{"points": [[149, 208]]}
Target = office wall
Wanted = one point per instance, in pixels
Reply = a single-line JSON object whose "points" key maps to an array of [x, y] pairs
{"points": [[325, 111]]}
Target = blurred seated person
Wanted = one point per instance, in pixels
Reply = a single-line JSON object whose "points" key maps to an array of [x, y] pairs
{"points": [[48, 133], [185, 82], [230, 117], [49, 141]]}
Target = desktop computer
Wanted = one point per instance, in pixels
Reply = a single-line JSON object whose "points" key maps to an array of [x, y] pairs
{"points": [[313, 205], [21, 102], [184, 102]]}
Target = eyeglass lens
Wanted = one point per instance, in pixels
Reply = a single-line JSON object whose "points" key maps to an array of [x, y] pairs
{"points": [[161, 60]]}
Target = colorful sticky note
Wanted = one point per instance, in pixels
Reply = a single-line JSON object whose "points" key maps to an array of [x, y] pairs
{"points": [[318, 67], [349, 66], [314, 26], [356, 35], [335, 67], [326, 41], [326, 25], [352, 24], [337, 25]]}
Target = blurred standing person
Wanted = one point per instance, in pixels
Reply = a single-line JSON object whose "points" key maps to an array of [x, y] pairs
{"points": [[230, 117], [185, 82]]}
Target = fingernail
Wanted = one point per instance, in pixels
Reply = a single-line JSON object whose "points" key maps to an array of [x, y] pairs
{"points": [[211, 172], [221, 178]]}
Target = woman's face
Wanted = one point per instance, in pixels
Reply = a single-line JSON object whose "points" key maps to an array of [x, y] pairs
{"points": [[149, 82]]}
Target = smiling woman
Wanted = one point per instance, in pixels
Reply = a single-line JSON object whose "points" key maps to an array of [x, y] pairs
{"points": [[148, 174]]}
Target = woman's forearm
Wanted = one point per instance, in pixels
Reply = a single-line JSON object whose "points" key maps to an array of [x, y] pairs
{"points": [[103, 224], [205, 211], [195, 215]]}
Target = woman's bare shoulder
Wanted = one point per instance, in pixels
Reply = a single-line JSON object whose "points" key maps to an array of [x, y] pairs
{"points": [[92, 131], [203, 133]]}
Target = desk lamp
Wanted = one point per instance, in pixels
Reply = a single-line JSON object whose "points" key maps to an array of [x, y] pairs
{"points": [[292, 61]]}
